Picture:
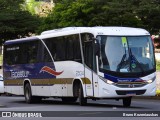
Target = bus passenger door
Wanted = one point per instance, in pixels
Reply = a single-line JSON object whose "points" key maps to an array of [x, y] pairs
{"points": [[88, 60]]}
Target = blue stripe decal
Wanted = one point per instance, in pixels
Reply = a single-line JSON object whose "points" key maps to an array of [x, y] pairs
{"points": [[31, 71], [117, 79]]}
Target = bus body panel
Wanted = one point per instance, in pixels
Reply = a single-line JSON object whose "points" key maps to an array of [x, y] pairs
{"points": [[55, 79], [109, 91]]}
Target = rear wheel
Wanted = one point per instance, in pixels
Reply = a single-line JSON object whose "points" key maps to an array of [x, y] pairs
{"points": [[28, 95], [127, 101], [82, 100]]}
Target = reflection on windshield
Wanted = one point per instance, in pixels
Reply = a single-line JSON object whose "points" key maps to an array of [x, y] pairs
{"points": [[126, 54]]}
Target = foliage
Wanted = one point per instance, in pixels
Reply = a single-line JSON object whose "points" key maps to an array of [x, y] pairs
{"points": [[30, 6], [14, 21], [1, 59], [157, 43], [158, 65], [133, 13], [158, 93], [39, 8]]}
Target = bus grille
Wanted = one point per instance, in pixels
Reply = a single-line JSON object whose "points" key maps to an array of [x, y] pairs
{"points": [[130, 85], [136, 92]]}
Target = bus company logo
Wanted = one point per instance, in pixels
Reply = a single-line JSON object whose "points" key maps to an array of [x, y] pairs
{"points": [[50, 71], [124, 80], [139, 80], [19, 74], [131, 86]]}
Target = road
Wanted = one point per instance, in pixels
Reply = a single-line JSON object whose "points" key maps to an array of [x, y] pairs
{"points": [[94, 108]]}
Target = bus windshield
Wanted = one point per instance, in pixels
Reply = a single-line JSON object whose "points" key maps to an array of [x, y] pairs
{"points": [[128, 54]]}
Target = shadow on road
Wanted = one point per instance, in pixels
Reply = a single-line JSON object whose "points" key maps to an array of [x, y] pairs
{"points": [[60, 103]]}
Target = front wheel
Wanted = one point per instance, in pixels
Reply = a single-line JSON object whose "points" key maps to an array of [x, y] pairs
{"points": [[127, 101], [82, 100]]}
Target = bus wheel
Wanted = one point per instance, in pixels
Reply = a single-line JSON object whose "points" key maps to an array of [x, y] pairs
{"points": [[82, 100], [127, 101], [28, 93], [69, 99]]}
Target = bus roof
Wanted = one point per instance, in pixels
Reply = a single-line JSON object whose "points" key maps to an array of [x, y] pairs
{"points": [[21, 40], [112, 31], [119, 31]]}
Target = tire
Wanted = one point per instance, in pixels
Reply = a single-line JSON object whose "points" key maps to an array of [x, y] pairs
{"points": [[28, 95], [82, 100], [127, 101], [69, 99]]}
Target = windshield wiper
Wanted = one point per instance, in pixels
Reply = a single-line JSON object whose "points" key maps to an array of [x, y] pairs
{"points": [[122, 60], [121, 63], [131, 55]]}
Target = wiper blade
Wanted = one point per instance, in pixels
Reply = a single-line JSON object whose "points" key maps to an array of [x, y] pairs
{"points": [[131, 55], [121, 63]]}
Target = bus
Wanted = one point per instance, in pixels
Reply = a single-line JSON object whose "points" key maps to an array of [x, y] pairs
{"points": [[81, 63]]}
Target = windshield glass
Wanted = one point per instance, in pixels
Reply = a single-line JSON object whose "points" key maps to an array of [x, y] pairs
{"points": [[126, 54]]}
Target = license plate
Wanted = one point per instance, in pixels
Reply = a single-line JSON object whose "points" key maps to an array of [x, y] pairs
{"points": [[131, 93]]}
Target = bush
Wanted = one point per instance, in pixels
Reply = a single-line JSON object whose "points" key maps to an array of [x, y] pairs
{"points": [[158, 65], [157, 43], [158, 93]]}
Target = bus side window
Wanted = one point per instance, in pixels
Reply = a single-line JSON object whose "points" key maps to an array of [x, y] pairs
{"points": [[64, 48], [88, 57], [12, 54], [77, 49], [32, 52], [73, 51], [60, 48]]}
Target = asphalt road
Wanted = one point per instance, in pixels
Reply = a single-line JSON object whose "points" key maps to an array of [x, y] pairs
{"points": [[17, 103], [91, 111]]}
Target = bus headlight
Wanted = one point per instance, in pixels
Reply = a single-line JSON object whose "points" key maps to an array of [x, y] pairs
{"points": [[151, 80], [106, 80]]}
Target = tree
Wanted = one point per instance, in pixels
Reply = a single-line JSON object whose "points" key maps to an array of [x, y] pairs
{"points": [[14, 21], [132, 13], [149, 13]]}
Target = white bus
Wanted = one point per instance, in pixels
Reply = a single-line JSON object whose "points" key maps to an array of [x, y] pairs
{"points": [[81, 63]]}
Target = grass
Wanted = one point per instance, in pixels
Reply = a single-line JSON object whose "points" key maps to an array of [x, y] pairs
{"points": [[158, 65]]}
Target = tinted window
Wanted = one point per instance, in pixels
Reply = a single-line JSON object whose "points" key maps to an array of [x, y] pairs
{"points": [[64, 48], [21, 53]]}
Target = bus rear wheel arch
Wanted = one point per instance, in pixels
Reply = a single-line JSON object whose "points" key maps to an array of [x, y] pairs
{"points": [[28, 94]]}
